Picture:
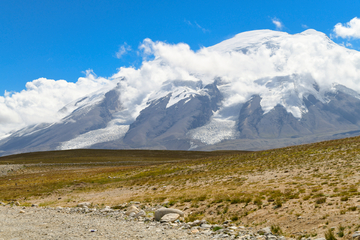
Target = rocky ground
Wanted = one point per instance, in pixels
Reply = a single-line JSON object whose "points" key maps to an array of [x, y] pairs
{"points": [[17, 222], [9, 168]]}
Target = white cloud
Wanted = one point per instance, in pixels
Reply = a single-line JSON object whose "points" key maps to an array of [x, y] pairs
{"points": [[42, 99], [347, 44], [204, 30], [188, 22], [348, 30], [279, 25], [304, 26], [310, 55], [195, 24], [123, 49]]}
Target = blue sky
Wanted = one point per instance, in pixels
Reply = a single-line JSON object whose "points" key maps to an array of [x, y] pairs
{"points": [[62, 39]]}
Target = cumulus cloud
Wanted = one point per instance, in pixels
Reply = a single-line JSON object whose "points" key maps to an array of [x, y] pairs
{"points": [[278, 24], [42, 99], [310, 55], [123, 49], [348, 30]]}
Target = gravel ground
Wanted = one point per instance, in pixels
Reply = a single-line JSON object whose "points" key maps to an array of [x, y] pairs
{"points": [[45, 223], [17, 223]]}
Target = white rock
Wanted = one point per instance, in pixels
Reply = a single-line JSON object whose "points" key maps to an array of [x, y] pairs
{"points": [[141, 213], [84, 204], [170, 217], [132, 210], [204, 225], [266, 230], [271, 237], [106, 209], [163, 211], [356, 235]]}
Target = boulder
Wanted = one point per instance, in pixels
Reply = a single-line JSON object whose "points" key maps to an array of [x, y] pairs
{"points": [[163, 211], [141, 213], [170, 217], [106, 209], [84, 204], [206, 226], [132, 210], [194, 230]]}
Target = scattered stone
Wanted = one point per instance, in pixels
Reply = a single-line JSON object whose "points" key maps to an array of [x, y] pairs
{"points": [[226, 222], [132, 210], [106, 209], [163, 211], [16, 203], [21, 211], [84, 204], [205, 226], [195, 230], [34, 205], [264, 231], [170, 217], [221, 235], [195, 223], [2, 204], [270, 237], [356, 235], [141, 213]]}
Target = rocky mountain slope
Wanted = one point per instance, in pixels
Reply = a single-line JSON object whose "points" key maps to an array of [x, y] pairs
{"points": [[264, 89]]}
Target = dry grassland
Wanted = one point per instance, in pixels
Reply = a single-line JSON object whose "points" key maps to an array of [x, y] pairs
{"points": [[305, 190]]}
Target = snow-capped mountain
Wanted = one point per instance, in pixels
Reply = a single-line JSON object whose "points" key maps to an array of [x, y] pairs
{"points": [[257, 90]]}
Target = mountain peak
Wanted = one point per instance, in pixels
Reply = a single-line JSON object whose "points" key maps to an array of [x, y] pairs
{"points": [[251, 90], [247, 39]]}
